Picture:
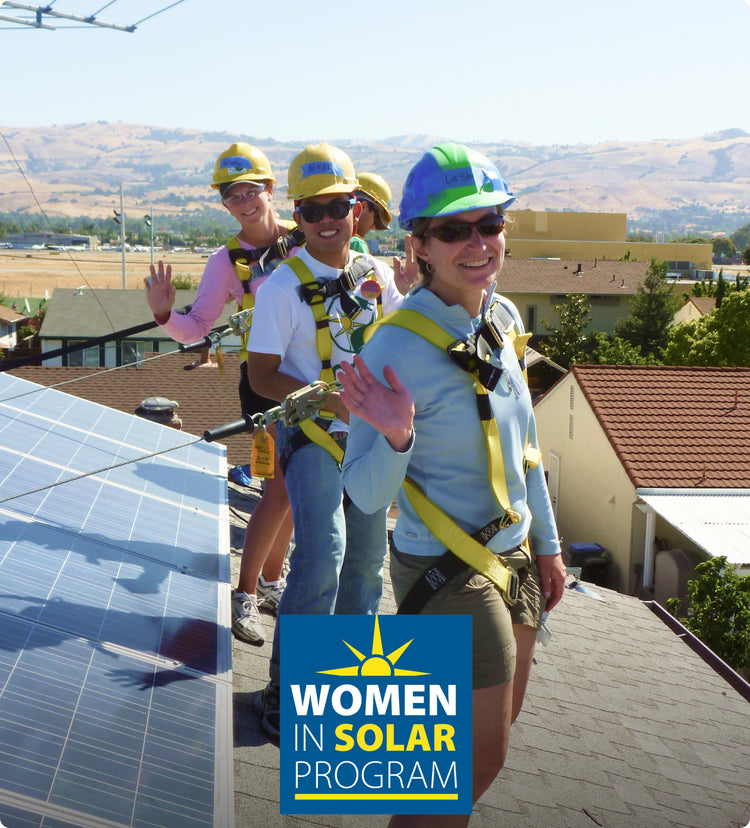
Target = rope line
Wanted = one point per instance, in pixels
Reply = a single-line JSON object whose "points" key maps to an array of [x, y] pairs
{"points": [[88, 376], [103, 469]]}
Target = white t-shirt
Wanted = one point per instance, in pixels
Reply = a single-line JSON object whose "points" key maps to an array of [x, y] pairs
{"points": [[283, 323]]}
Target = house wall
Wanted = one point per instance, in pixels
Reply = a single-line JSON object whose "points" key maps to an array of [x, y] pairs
{"points": [[589, 236], [596, 497], [687, 313], [605, 310]]}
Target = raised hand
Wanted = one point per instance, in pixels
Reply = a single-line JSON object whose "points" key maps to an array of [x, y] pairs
{"points": [[389, 408], [160, 292], [406, 275]]}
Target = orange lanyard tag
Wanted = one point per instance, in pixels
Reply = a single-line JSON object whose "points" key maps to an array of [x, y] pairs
{"points": [[220, 359], [261, 461]]}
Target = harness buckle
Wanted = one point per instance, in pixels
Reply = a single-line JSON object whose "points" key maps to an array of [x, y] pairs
{"points": [[305, 402], [514, 586], [240, 322], [510, 517]]}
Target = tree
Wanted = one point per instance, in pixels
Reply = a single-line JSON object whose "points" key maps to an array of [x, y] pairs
{"points": [[568, 343], [723, 248], [746, 256], [721, 338], [651, 313], [741, 237], [614, 350], [721, 289], [718, 611]]}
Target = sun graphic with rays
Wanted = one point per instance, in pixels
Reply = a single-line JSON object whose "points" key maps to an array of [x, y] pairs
{"points": [[376, 664]]}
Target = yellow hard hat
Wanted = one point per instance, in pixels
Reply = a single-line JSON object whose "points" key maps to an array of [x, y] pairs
{"points": [[376, 188], [320, 169], [241, 162]]}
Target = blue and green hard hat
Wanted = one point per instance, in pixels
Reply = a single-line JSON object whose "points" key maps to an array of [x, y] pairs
{"points": [[449, 179]]}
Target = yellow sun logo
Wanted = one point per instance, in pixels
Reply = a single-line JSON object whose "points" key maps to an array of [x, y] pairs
{"points": [[376, 664]]}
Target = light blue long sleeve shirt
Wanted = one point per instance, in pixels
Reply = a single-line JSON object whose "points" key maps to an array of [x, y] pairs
{"points": [[447, 457]]}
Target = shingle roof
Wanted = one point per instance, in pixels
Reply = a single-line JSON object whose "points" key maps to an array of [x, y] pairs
{"points": [[705, 304], [560, 276], [9, 315], [623, 726], [206, 397], [674, 427], [93, 313]]}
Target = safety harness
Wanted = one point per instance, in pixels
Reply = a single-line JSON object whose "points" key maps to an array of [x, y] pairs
{"points": [[315, 293], [266, 258], [471, 355]]}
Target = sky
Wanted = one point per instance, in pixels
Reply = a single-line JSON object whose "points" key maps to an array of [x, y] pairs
{"points": [[538, 71]]}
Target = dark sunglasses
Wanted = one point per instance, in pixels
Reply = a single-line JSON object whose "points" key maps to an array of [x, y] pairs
{"points": [[460, 231], [313, 211]]}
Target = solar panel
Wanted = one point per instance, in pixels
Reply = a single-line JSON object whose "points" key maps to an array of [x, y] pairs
{"points": [[115, 646]]}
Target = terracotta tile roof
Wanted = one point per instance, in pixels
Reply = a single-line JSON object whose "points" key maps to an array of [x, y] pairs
{"points": [[560, 276], [674, 427], [206, 397]]}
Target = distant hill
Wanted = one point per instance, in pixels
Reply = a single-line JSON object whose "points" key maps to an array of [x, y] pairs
{"points": [[677, 186]]}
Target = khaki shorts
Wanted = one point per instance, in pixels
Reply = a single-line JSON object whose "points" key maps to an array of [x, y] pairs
{"points": [[470, 593]]}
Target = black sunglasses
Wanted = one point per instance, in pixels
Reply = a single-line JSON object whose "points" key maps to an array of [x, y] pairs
{"points": [[460, 231], [313, 211]]}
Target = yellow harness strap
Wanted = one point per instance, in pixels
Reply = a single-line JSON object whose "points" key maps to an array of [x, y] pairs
{"points": [[318, 308], [324, 343], [445, 529], [453, 537]]}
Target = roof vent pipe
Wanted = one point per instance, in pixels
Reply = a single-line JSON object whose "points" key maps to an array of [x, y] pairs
{"points": [[160, 410]]}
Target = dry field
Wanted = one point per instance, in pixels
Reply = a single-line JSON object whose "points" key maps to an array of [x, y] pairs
{"points": [[29, 273]]}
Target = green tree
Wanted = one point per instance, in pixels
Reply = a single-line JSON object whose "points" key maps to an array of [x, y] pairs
{"points": [[651, 313], [721, 338], [746, 256], [721, 289], [741, 237], [718, 611], [614, 350], [723, 248], [569, 343]]}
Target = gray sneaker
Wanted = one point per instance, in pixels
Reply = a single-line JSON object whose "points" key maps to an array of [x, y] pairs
{"points": [[246, 618], [269, 593], [267, 704]]}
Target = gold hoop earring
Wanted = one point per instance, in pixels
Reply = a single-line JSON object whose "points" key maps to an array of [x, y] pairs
{"points": [[427, 266]]}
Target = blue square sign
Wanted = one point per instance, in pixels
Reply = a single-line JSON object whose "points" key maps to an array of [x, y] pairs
{"points": [[376, 714]]}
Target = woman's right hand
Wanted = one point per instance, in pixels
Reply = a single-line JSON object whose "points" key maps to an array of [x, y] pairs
{"points": [[160, 292], [387, 408]]}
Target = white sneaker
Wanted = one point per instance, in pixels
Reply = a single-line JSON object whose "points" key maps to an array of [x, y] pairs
{"points": [[270, 592], [246, 618]]}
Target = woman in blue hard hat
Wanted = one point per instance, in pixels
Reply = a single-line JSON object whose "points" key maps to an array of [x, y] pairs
{"points": [[244, 179], [458, 423]]}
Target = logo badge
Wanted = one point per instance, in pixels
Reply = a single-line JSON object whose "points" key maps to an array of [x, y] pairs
{"points": [[376, 714]]}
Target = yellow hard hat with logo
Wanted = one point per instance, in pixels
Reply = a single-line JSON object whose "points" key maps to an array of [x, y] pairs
{"points": [[241, 162], [377, 191], [320, 169]]}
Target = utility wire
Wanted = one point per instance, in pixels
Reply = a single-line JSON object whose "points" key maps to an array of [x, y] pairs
{"points": [[158, 12], [99, 471]]}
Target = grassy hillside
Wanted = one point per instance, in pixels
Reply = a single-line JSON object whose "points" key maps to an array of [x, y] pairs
{"points": [[694, 184]]}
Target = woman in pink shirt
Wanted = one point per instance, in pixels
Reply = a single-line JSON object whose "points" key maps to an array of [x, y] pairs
{"points": [[244, 179]]}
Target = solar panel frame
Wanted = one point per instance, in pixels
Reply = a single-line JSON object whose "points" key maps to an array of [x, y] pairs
{"points": [[114, 618]]}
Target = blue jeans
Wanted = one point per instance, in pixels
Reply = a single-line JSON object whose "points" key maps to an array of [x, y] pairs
{"points": [[337, 563]]}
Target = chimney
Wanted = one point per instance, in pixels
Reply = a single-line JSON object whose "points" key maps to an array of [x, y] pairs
{"points": [[160, 410]]}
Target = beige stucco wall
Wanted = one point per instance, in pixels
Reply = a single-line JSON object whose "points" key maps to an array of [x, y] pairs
{"points": [[697, 254], [687, 313], [550, 224], [605, 310], [595, 502], [589, 236]]}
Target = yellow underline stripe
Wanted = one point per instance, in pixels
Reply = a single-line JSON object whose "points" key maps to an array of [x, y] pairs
{"points": [[375, 796]]}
